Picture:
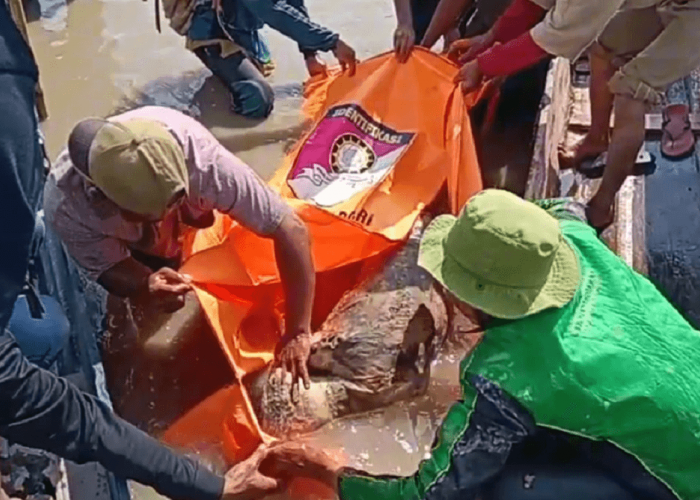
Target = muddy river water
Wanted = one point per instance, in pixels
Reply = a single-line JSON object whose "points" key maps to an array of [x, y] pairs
{"points": [[98, 56]]}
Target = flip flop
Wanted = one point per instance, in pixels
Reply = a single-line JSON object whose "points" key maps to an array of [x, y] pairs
{"points": [[678, 140]]}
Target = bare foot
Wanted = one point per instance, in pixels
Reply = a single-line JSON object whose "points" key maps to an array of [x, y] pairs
{"points": [[314, 66], [589, 148]]}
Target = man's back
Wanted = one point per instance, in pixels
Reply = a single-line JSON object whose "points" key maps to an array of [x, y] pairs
{"points": [[617, 363]]}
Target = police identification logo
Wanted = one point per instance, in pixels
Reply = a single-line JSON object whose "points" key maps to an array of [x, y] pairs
{"points": [[348, 153]]}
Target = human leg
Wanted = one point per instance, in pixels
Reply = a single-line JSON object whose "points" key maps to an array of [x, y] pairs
{"points": [[597, 138], [422, 11], [627, 139], [670, 56], [41, 340], [19, 153], [627, 34], [252, 96], [313, 64]]}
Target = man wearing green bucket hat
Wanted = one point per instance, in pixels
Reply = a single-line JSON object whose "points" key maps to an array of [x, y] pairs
{"points": [[584, 386]]}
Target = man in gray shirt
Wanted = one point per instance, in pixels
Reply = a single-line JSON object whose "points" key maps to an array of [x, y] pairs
{"points": [[121, 194]]}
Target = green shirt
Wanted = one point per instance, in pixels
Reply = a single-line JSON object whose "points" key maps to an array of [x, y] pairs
{"points": [[618, 363]]}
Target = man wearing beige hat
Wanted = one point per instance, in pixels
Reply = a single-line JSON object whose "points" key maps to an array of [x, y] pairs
{"points": [[121, 193], [583, 386]]}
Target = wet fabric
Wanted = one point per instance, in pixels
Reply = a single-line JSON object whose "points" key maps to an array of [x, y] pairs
{"points": [[383, 145], [470, 450], [491, 438], [502, 454]]}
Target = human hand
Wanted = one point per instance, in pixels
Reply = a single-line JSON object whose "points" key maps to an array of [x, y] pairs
{"points": [[167, 289], [467, 49], [291, 460], [216, 5], [292, 356], [314, 66], [404, 40], [346, 56], [245, 481], [469, 77], [449, 38], [4, 496]]}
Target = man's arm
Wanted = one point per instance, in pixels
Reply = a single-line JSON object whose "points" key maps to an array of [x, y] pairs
{"points": [[472, 447], [446, 16], [404, 34], [165, 288], [40, 410], [404, 16], [519, 51], [128, 278], [294, 23], [108, 261], [235, 189], [571, 26], [295, 263]]}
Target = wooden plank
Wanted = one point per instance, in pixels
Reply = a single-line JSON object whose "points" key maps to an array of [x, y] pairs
{"points": [[581, 108], [62, 488], [557, 120], [640, 260], [543, 180], [624, 221]]}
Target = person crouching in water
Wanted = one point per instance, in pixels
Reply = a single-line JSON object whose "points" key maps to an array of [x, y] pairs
{"points": [[121, 194]]}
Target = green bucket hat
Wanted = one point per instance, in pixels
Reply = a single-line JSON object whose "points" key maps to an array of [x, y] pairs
{"points": [[503, 255]]}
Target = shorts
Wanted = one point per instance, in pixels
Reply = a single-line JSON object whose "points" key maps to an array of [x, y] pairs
{"points": [[654, 47]]}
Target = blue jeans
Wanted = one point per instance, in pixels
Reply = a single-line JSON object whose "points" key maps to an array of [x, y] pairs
{"points": [[252, 96], [40, 340], [38, 322]]}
